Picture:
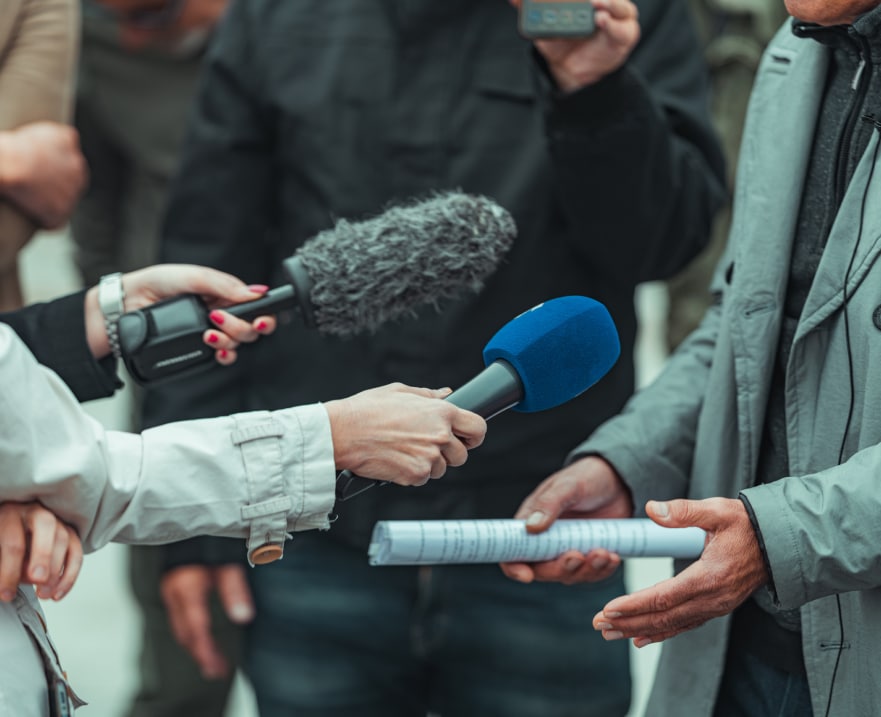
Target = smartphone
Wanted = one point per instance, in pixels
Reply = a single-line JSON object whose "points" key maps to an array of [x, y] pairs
{"points": [[556, 18]]}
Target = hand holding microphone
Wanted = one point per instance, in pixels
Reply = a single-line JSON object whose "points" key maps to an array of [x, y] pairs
{"points": [[348, 279], [538, 360], [401, 434]]}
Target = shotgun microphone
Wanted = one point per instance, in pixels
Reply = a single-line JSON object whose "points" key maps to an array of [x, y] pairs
{"points": [[348, 279]]}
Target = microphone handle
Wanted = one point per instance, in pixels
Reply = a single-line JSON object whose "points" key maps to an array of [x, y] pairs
{"points": [[273, 301], [494, 390]]}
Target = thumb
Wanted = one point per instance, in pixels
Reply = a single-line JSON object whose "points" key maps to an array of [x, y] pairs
{"points": [[426, 392], [678, 513], [234, 594]]}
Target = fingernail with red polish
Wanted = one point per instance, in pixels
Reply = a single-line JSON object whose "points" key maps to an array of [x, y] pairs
{"points": [[223, 353], [213, 338], [216, 317], [258, 288], [261, 326]]}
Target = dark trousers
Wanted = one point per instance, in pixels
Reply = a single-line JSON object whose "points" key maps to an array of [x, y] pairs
{"points": [[752, 688], [335, 637]]}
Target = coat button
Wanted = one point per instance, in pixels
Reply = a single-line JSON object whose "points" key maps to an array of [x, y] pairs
{"points": [[876, 318], [268, 553]]}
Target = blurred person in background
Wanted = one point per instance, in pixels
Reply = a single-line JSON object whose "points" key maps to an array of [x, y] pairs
{"points": [[139, 66], [38, 46], [138, 69], [734, 34], [602, 149]]}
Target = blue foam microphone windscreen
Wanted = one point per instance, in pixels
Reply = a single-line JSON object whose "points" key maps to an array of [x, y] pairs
{"points": [[559, 349]]}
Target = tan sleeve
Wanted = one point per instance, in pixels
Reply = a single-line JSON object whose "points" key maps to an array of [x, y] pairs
{"points": [[39, 46]]}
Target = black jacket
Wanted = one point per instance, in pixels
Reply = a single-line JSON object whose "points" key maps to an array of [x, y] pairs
{"points": [[319, 109], [55, 332]]}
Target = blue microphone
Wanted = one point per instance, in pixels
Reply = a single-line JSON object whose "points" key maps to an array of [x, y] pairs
{"points": [[543, 358], [540, 359]]}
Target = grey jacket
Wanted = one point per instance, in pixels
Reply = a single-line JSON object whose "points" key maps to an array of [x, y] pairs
{"points": [[696, 431]]}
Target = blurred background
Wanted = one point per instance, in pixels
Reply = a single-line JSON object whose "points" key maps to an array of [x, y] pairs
{"points": [[96, 626]]}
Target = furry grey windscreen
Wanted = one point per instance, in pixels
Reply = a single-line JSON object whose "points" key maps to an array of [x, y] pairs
{"points": [[368, 273]]}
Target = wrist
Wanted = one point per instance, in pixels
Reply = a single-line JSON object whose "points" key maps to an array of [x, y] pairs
{"points": [[96, 334], [568, 81], [104, 305], [338, 415]]}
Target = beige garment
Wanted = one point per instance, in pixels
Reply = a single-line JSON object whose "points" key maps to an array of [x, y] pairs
{"points": [[259, 475], [39, 41]]}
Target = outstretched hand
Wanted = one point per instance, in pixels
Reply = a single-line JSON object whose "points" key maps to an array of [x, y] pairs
{"points": [[730, 569]]}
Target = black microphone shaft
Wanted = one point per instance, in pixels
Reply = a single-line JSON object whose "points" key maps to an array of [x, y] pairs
{"points": [[273, 301], [495, 389]]}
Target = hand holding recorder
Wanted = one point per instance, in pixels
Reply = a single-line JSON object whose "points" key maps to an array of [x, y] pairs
{"points": [[220, 334], [582, 51]]}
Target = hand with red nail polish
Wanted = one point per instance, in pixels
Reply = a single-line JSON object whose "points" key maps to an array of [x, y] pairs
{"points": [[218, 289]]}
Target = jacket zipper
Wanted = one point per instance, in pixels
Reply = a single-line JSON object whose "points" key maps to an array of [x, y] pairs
{"points": [[860, 86]]}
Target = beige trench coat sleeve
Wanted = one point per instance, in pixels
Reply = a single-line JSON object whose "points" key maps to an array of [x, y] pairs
{"points": [[259, 475], [39, 45]]}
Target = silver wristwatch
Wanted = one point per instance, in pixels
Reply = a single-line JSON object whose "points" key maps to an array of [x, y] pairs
{"points": [[111, 299]]}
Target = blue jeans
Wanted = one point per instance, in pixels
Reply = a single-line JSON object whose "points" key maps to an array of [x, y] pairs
{"points": [[751, 688], [335, 637]]}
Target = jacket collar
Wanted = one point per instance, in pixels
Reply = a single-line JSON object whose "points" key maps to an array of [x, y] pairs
{"points": [[866, 31]]}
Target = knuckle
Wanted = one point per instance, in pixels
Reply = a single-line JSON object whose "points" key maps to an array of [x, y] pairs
{"points": [[667, 624], [15, 548], [683, 510], [723, 604], [438, 437], [661, 603]]}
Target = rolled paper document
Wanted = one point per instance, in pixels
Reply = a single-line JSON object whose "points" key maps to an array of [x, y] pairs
{"points": [[435, 542]]}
